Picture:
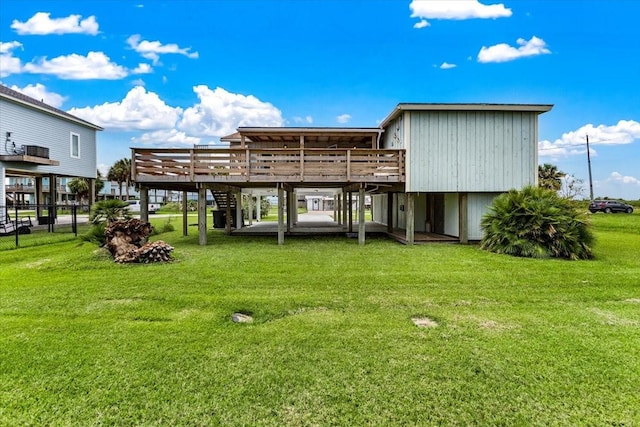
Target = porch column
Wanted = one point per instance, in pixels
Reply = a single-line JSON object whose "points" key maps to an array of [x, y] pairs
{"points": [[258, 208], [239, 216], [280, 214], [185, 220], [410, 218], [463, 217], [144, 204], [289, 210], [389, 212], [250, 208], [350, 212], [335, 208], [361, 223], [39, 199], [53, 197], [92, 192], [202, 215], [227, 225], [345, 206]]}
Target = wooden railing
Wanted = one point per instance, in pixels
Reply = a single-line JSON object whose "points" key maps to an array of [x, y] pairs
{"points": [[267, 165]]}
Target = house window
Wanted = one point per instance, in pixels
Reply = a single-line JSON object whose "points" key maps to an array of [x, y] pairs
{"points": [[75, 145]]}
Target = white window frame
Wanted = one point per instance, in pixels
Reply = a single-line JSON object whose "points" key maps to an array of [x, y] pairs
{"points": [[71, 145]]}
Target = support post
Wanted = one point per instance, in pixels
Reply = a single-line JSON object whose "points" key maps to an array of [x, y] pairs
{"points": [[144, 204], [280, 214], [259, 208], [289, 210], [250, 209], [463, 216], [350, 212], [345, 206], [3, 197], [410, 219], [227, 225], [92, 192], [202, 216], [389, 212], [239, 216], [185, 220], [361, 223]]}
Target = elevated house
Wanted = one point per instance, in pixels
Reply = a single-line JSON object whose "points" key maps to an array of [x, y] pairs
{"points": [[40, 145], [430, 169]]}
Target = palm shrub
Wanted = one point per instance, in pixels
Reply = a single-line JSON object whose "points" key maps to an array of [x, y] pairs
{"points": [[535, 222], [102, 213]]}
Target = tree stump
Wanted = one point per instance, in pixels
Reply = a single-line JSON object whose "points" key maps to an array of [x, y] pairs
{"points": [[126, 242]]}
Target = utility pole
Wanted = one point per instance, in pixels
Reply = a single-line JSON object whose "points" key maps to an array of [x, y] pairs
{"points": [[589, 164]]}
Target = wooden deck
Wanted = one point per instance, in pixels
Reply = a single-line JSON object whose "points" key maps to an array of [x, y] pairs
{"points": [[246, 166]]}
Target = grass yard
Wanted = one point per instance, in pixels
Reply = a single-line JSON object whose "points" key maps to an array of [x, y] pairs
{"points": [[517, 342]]}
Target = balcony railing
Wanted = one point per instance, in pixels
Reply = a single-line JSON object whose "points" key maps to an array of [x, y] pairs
{"points": [[238, 165]]}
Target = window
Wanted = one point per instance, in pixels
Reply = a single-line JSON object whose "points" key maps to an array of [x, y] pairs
{"points": [[75, 145]]}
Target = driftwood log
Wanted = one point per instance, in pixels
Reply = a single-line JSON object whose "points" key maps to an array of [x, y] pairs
{"points": [[126, 242]]}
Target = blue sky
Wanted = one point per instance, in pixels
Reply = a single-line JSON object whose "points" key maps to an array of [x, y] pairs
{"points": [[178, 73]]}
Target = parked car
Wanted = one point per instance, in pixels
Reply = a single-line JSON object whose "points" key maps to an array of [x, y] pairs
{"points": [[134, 206], [608, 206]]}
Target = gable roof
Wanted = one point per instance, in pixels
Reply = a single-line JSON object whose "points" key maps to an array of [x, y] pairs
{"points": [[29, 102], [407, 106]]}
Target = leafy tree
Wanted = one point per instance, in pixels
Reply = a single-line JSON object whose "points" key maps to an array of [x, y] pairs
{"points": [[536, 222], [120, 172], [550, 177], [572, 187], [99, 182], [79, 187]]}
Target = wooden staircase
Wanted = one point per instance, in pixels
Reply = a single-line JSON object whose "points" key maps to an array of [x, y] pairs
{"points": [[220, 197]]}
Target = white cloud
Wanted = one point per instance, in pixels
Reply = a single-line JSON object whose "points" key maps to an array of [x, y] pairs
{"points": [[307, 119], [343, 118], [96, 65], [617, 177], [503, 52], [170, 138], [40, 92], [142, 69], [574, 142], [139, 110], [421, 24], [138, 82], [152, 50], [455, 10], [446, 66], [8, 63], [219, 113], [42, 24]]}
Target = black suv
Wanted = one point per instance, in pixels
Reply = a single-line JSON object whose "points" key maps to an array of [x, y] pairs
{"points": [[608, 206]]}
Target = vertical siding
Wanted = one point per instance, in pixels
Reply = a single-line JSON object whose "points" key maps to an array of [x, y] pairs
{"points": [[451, 226], [487, 151], [379, 202], [393, 136], [32, 127], [477, 206]]}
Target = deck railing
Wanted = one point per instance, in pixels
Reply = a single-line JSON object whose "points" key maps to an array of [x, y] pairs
{"points": [[267, 165]]}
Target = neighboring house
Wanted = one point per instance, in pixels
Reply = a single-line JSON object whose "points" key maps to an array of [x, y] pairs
{"points": [[430, 169], [38, 141]]}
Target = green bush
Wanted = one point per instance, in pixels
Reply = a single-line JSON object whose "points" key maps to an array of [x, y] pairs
{"points": [[102, 213], [536, 222]]}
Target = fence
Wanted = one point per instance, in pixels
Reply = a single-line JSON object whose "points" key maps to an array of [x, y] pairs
{"points": [[22, 226]]}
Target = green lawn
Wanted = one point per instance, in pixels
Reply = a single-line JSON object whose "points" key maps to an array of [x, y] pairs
{"points": [[519, 341]]}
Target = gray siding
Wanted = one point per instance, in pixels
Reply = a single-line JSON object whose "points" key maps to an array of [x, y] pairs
{"points": [[451, 218], [379, 207], [33, 127], [484, 151], [477, 206], [393, 136]]}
